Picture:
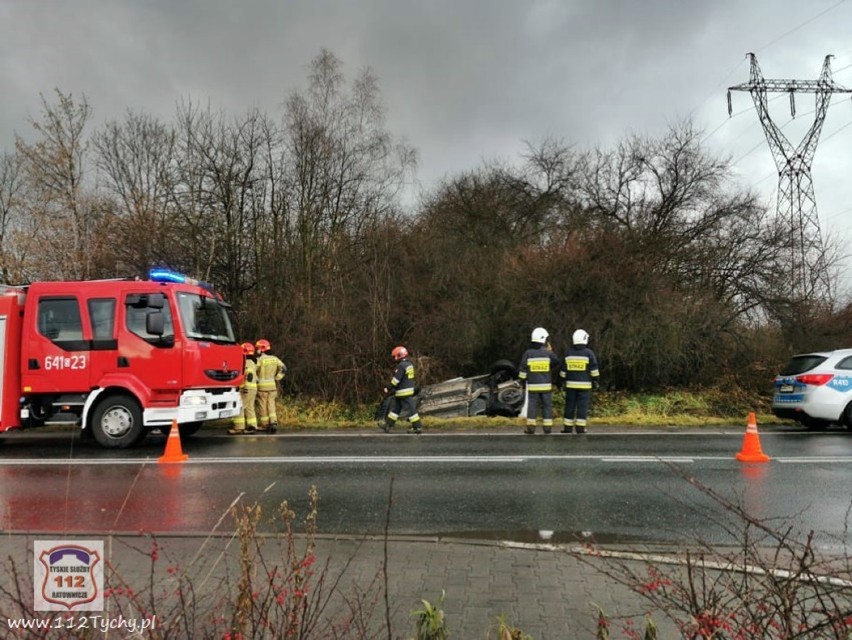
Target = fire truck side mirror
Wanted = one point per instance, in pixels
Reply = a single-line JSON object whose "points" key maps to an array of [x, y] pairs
{"points": [[156, 301], [154, 323]]}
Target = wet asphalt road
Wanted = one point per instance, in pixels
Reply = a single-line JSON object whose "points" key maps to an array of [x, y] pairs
{"points": [[615, 485]]}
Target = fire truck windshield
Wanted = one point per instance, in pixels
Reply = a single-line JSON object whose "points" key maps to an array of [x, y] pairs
{"points": [[205, 318]]}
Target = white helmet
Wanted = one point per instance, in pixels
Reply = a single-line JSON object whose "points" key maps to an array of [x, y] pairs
{"points": [[539, 335], [580, 337]]}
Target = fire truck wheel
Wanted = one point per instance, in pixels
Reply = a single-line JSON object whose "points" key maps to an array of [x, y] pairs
{"points": [[117, 422], [189, 428]]}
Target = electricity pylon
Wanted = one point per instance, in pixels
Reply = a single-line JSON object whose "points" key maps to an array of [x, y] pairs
{"points": [[796, 205]]}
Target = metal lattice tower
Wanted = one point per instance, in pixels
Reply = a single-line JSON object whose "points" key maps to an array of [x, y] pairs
{"points": [[796, 203]]}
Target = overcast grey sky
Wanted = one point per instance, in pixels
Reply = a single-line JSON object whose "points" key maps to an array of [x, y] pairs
{"points": [[463, 80]]}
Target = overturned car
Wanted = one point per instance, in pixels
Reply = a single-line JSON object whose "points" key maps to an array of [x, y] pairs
{"points": [[498, 393]]}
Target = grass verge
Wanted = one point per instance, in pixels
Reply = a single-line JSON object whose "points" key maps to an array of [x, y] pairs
{"points": [[670, 407]]}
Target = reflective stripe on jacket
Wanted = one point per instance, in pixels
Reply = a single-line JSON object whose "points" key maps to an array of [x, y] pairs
{"points": [[537, 368], [270, 370], [402, 382], [579, 367]]}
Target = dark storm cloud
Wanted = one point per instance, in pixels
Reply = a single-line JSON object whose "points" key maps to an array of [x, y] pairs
{"points": [[463, 81]]}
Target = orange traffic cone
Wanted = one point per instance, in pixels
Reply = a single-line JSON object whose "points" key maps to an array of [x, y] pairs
{"points": [[751, 451], [174, 452]]}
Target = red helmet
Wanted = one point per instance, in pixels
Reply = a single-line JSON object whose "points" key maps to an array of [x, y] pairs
{"points": [[399, 353], [263, 345], [248, 348]]}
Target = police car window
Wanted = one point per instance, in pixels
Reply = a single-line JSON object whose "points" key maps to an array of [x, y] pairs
{"points": [[102, 316], [800, 364], [135, 320], [59, 319], [846, 363]]}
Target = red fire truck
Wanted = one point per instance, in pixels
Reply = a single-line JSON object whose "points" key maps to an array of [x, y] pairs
{"points": [[119, 358]]}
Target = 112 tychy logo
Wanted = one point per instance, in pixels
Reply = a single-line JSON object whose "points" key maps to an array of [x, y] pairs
{"points": [[68, 575]]}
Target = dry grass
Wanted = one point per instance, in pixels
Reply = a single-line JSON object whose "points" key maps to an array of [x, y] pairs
{"points": [[674, 407]]}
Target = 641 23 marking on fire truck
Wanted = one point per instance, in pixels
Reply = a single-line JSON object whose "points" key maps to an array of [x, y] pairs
{"points": [[75, 363]]}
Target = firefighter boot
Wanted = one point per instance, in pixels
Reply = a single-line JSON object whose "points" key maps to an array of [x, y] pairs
{"points": [[386, 426], [272, 428]]}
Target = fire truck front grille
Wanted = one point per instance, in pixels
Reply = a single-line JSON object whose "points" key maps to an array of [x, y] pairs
{"points": [[221, 376]]}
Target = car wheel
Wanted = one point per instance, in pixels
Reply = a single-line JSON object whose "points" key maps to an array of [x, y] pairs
{"points": [[511, 396], [117, 422], [846, 418], [813, 424], [503, 370]]}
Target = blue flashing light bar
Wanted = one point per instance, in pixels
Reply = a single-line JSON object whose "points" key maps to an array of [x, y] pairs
{"points": [[166, 275], [159, 274]]}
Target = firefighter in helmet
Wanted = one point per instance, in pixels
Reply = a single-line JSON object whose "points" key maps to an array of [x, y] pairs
{"points": [[538, 365], [246, 422], [580, 375], [403, 387], [270, 372]]}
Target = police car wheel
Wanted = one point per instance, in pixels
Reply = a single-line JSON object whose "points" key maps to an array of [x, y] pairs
{"points": [[813, 424]]}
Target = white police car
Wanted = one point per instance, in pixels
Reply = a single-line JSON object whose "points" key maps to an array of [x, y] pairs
{"points": [[815, 389]]}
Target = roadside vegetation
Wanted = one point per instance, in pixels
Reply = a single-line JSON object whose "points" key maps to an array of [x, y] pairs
{"points": [[674, 407], [304, 219]]}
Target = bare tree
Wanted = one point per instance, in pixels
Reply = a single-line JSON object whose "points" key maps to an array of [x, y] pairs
{"points": [[347, 169], [135, 159], [343, 173], [188, 201], [64, 215], [701, 258], [12, 252]]}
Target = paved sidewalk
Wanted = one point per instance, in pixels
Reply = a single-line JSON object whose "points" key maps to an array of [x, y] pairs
{"points": [[544, 590]]}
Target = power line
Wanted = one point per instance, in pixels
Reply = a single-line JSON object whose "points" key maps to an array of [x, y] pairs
{"points": [[838, 213], [799, 26], [722, 83], [732, 116], [831, 135], [789, 122], [775, 173], [750, 109]]}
